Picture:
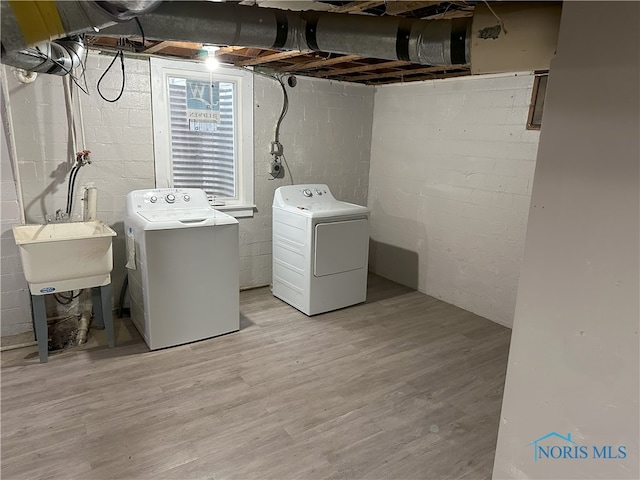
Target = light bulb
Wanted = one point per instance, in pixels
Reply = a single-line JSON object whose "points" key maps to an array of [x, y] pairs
{"points": [[211, 62]]}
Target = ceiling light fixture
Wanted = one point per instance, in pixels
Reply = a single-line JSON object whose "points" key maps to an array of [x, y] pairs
{"points": [[211, 62]]}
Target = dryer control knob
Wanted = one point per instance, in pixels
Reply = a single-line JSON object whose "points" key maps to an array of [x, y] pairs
{"points": [[186, 198], [307, 193], [170, 198], [318, 191], [153, 199]]}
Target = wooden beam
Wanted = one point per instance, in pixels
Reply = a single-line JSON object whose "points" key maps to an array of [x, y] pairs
{"points": [[273, 57], [229, 49], [450, 14], [356, 7], [397, 8], [158, 47], [363, 68], [327, 62], [414, 71], [434, 76]]}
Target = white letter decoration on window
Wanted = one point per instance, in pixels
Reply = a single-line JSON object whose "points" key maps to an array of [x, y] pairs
{"points": [[203, 131]]}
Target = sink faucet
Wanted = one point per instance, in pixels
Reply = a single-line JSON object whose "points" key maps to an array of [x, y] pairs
{"points": [[61, 217]]}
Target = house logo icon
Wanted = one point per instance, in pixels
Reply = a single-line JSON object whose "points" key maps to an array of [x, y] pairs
{"points": [[546, 451], [554, 446]]}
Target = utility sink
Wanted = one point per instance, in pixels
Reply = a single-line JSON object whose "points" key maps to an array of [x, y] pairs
{"points": [[65, 256]]}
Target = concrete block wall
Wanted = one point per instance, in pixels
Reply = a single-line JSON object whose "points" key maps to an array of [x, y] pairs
{"points": [[450, 183], [15, 315], [326, 136], [118, 134]]}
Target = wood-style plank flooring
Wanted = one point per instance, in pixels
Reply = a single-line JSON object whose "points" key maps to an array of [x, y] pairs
{"points": [[403, 386]]}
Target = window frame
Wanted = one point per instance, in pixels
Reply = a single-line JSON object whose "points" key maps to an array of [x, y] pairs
{"points": [[538, 94], [161, 69]]}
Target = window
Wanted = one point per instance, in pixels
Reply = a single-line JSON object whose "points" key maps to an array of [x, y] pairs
{"points": [[203, 131], [539, 91]]}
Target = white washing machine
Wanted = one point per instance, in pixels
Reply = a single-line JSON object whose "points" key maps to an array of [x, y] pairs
{"points": [[320, 249], [184, 279]]}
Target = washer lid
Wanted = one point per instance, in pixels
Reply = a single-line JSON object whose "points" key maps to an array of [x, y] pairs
{"points": [[178, 215], [167, 220]]}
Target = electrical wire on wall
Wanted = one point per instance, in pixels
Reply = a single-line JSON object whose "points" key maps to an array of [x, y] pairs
{"points": [[277, 150], [275, 168], [113, 100], [122, 43]]}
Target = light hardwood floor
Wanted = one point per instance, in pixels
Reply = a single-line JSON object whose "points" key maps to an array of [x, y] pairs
{"points": [[403, 386]]}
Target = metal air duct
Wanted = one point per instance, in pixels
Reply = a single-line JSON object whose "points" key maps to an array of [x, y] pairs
{"points": [[37, 36], [59, 57], [430, 42]]}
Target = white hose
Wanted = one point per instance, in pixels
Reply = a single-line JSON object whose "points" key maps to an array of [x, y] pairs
{"points": [[11, 144]]}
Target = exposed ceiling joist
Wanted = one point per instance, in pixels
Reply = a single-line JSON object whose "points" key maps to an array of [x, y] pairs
{"points": [[273, 57], [156, 48], [397, 8], [159, 47], [356, 7], [450, 14], [414, 71], [363, 68], [223, 50], [424, 77], [321, 63]]}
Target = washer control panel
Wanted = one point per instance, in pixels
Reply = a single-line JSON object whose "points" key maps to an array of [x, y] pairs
{"points": [[308, 191], [313, 196], [170, 198]]}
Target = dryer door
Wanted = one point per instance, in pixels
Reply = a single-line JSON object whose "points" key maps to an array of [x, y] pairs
{"points": [[341, 247]]}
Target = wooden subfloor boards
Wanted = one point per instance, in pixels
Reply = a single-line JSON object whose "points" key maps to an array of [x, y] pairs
{"points": [[403, 386]]}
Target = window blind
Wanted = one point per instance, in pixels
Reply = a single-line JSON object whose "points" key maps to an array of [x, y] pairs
{"points": [[200, 158]]}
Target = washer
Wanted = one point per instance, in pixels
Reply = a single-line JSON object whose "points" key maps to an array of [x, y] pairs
{"points": [[184, 279], [320, 249]]}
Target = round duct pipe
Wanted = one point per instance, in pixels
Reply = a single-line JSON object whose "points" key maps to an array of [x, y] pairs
{"points": [[123, 10], [59, 57], [29, 23], [429, 42]]}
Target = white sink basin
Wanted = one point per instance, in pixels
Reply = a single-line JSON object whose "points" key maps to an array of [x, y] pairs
{"points": [[65, 256]]}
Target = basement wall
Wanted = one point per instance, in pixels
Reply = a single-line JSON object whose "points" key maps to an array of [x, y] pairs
{"points": [[451, 171], [574, 362], [14, 303], [326, 136]]}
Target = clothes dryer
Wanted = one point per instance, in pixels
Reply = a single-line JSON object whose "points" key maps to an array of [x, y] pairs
{"points": [[320, 249]]}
